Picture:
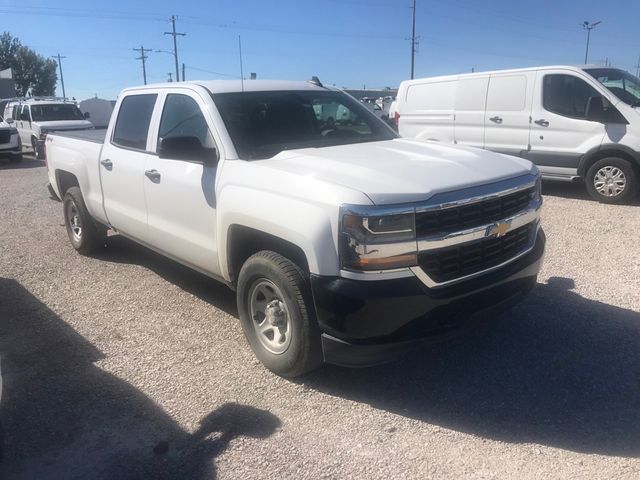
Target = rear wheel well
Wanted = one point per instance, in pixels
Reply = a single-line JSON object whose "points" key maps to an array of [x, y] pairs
{"points": [[607, 152], [65, 181], [244, 242]]}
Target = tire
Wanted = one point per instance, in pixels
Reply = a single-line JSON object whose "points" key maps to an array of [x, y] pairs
{"points": [[85, 235], [277, 315], [36, 151], [620, 173]]}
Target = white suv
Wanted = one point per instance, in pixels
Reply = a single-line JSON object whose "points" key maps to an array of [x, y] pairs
{"points": [[10, 145]]}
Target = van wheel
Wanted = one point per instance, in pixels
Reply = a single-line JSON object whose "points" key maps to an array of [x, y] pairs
{"points": [[276, 313], [612, 180], [85, 235]]}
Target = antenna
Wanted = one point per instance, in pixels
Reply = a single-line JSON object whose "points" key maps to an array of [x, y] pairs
{"points": [[241, 73]]}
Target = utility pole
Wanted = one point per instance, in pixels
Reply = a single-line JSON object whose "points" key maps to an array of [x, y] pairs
{"points": [[170, 79], [143, 57], [638, 68], [64, 94], [174, 34], [588, 27], [413, 40], [184, 77]]}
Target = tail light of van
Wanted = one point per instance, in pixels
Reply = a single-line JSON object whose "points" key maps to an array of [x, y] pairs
{"points": [[396, 118]]}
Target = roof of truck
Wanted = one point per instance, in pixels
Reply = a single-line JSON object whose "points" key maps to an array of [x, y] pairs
{"points": [[229, 86]]}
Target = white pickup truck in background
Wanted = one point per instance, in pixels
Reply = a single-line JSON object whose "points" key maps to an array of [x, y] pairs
{"points": [[344, 243]]}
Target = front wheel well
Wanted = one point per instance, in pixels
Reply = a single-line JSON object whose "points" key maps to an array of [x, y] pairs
{"points": [[245, 241], [586, 164], [65, 181]]}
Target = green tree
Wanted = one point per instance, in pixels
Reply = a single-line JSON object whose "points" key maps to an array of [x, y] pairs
{"points": [[31, 71]]}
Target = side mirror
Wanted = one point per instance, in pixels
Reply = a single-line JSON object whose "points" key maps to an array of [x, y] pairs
{"points": [[595, 111], [599, 109], [9, 120], [86, 115], [186, 148]]}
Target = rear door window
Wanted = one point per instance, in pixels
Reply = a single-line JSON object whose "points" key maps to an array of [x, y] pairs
{"points": [[134, 117], [507, 93]]}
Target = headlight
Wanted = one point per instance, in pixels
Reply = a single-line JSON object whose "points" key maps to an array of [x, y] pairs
{"points": [[377, 241], [13, 131]]}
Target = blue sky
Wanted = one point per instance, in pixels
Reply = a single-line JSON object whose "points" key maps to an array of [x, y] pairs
{"points": [[348, 43]]}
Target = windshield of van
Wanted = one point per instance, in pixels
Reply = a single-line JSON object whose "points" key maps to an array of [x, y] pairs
{"points": [[622, 84], [263, 124], [55, 111]]}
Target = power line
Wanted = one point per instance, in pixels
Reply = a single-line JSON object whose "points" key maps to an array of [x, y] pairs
{"points": [[64, 94], [175, 34], [143, 57]]}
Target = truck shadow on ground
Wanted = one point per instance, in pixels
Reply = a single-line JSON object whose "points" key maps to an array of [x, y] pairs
{"points": [[560, 370], [25, 163], [123, 250], [63, 417]]}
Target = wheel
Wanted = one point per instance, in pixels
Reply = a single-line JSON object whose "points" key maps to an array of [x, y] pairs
{"points": [[85, 235], [276, 313], [612, 180], [36, 150]]}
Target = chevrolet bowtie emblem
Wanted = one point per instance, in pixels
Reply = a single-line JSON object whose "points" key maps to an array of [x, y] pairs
{"points": [[498, 229]]}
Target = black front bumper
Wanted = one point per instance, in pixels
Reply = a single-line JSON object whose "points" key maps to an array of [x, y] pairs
{"points": [[4, 153], [369, 322]]}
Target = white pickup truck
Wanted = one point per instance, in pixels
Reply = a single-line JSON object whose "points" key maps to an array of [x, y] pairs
{"points": [[344, 243]]}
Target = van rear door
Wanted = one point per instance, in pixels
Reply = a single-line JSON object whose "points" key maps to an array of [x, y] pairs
{"points": [[507, 117]]}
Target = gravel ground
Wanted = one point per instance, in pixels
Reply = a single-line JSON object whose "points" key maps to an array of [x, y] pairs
{"points": [[127, 365]]}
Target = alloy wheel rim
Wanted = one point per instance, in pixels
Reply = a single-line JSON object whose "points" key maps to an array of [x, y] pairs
{"points": [[270, 316], [75, 224], [610, 181]]}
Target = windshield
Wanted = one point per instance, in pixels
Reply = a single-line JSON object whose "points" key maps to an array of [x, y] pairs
{"points": [[263, 124], [622, 84], [55, 111]]}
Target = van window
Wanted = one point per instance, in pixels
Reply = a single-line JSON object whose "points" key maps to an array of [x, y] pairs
{"points": [[432, 96], [472, 94], [182, 117], [507, 93], [134, 117], [566, 95]]}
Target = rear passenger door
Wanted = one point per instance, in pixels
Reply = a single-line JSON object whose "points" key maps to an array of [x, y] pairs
{"points": [[507, 116], [180, 192], [122, 165]]}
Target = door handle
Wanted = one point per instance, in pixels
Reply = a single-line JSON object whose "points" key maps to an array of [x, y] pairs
{"points": [[153, 175], [106, 163], [542, 122], [496, 119]]}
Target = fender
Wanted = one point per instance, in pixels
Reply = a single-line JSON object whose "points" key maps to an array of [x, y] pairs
{"points": [[613, 148], [303, 224]]}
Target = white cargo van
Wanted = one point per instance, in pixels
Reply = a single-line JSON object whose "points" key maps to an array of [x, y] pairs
{"points": [[574, 123]]}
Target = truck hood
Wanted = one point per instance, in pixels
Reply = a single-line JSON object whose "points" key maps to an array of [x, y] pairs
{"points": [[65, 125], [401, 170]]}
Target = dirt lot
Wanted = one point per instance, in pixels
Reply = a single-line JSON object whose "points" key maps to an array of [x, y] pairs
{"points": [[127, 365]]}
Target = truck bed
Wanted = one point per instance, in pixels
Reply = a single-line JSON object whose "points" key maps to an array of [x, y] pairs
{"points": [[97, 135]]}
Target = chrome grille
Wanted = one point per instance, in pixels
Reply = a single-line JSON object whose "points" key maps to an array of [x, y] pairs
{"points": [[451, 263], [5, 136], [454, 219]]}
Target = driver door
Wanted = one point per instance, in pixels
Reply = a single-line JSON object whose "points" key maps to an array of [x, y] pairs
{"points": [[180, 193]]}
